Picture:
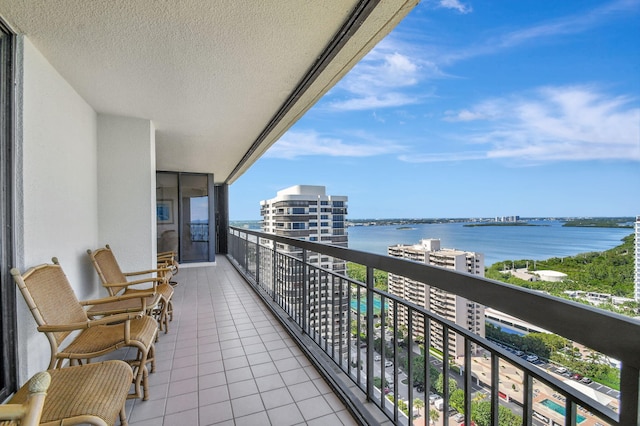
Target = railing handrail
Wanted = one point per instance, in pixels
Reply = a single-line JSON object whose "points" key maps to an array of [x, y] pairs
{"points": [[606, 332]]}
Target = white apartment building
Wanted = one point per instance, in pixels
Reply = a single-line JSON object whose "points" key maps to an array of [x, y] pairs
{"points": [[637, 263], [463, 312], [306, 212]]}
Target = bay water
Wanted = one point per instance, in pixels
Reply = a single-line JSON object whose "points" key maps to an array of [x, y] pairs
{"points": [[545, 240]]}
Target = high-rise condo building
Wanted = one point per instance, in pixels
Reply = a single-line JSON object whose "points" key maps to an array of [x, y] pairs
{"points": [[637, 257], [463, 312], [307, 213]]}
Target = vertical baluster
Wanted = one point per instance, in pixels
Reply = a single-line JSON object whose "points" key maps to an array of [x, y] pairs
{"points": [[467, 381], [527, 396], [395, 361], [383, 346], [409, 361], [427, 365], [629, 400], [495, 387], [445, 370], [369, 324], [304, 289]]}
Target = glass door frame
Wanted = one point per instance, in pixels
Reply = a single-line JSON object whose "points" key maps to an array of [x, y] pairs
{"points": [[181, 220], [8, 312]]}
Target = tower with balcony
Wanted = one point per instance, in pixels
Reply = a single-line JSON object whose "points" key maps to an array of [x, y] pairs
{"points": [[308, 213], [463, 312]]}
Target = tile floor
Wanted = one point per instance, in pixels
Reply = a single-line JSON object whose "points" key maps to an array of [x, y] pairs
{"points": [[227, 361]]}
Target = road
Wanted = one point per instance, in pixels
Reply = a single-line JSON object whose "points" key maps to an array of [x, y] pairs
{"points": [[396, 385]]}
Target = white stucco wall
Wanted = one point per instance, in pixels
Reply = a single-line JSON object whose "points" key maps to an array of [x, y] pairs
{"points": [[127, 190], [56, 197]]}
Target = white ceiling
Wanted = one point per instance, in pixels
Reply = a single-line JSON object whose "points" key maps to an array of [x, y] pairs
{"points": [[211, 74]]}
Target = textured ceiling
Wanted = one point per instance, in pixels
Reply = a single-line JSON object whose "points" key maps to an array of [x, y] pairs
{"points": [[210, 74]]}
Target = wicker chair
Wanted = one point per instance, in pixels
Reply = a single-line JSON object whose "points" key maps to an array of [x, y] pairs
{"points": [[87, 394], [27, 411], [168, 259], [59, 315], [117, 283]]}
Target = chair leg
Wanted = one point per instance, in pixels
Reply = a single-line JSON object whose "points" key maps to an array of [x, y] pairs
{"points": [[123, 417], [141, 372], [151, 357], [166, 306]]}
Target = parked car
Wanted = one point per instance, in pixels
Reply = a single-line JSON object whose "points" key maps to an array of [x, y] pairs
{"points": [[532, 358], [576, 377], [561, 370], [376, 358], [386, 390], [519, 353], [586, 380], [388, 364], [459, 417]]}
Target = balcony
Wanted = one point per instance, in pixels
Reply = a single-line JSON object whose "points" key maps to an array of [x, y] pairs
{"points": [[227, 358], [535, 392]]}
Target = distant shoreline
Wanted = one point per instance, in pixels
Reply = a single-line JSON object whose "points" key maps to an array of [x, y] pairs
{"points": [[407, 224], [472, 225]]}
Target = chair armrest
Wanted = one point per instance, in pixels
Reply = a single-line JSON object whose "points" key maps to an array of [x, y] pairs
{"points": [[91, 323], [148, 271], [166, 254], [154, 280], [109, 299]]}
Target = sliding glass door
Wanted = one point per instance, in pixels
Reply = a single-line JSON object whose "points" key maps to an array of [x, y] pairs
{"points": [[184, 214]]}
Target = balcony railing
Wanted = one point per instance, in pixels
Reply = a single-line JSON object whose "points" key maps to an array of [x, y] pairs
{"points": [[371, 359]]}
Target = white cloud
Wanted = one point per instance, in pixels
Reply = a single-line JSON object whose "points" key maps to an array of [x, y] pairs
{"points": [[385, 78], [383, 100], [455, 4], [550, 30], [444, 157], [296, 144], [575, 123]]}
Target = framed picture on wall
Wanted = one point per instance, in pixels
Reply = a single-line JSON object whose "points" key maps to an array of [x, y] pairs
{"points": [[164, 211]]}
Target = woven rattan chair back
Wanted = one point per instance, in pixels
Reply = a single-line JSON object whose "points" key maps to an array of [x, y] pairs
{"points": [[50, 298], [107, 268]]}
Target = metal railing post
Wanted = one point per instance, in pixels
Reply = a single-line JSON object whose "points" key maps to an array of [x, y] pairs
{"points": [[258, 261], [370, 333], [305, 290], [629, 399]]}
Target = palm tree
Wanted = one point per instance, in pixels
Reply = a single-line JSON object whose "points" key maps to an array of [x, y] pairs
{"points": [[434, 416], [418, 404]]}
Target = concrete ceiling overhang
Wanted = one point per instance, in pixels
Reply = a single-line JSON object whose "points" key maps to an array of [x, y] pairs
{"points": [[221, 80]]}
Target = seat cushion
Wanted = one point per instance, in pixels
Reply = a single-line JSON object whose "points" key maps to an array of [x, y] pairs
{"points": [[97, 390]]}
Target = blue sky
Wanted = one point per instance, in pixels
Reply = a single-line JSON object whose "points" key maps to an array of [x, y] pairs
{"points": [[476, 109]]}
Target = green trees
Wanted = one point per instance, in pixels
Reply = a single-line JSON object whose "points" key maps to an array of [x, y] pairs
{"points": [[609, 271], [434, 416], [481, 415], [417, 369], [418, 404], [359, 273], [541, 344], [378, 382], [439, 385], [456, 400]]}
